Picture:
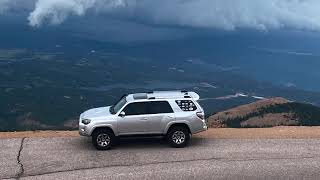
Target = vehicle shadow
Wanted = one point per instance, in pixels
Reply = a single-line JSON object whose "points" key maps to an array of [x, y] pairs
{"points": [[150, 142], [140, 142]]}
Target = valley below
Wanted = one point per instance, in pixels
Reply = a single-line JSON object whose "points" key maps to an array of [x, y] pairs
{"points": [[43, 90], [46, 88]]}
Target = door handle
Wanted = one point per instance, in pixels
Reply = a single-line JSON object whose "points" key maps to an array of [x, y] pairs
{"points": [[144, 119]]}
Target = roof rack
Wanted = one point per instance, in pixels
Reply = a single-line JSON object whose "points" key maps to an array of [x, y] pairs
{"points": [[165, 95], [182, 91]]}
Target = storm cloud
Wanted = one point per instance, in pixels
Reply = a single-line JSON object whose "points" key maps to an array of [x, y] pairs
{"points": [[4, 5], [217, 14], [57, 11]]}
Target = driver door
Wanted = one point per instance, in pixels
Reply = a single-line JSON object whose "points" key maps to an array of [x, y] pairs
{"points": [[135, 119]]}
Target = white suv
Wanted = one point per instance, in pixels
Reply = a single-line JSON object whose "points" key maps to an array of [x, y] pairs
{"points": [[174, 114]]}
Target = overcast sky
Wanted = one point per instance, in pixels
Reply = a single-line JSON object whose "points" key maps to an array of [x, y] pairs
{"points": [[219, 14], [145, 20]]}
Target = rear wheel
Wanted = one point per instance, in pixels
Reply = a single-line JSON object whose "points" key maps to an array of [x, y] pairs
{"points": [[178, 137], [103, 139]]}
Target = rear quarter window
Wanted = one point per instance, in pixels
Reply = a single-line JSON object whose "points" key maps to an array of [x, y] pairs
{"points": [[186, 105]]}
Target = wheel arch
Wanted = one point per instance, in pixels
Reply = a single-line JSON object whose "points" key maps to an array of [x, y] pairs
{"points": [[179, 124], [102, 127]]}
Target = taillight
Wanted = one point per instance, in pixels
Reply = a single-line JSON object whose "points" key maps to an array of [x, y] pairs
{"points": [[200, 115]]}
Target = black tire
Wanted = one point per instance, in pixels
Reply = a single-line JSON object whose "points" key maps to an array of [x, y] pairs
{"points": [[178, 132], [103, 139]]}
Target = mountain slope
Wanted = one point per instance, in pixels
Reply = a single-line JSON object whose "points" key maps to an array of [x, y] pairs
{"points": [[268, 113]]}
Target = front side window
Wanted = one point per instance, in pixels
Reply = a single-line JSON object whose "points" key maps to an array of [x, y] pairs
{"points": [[137, 108], [158, 107], [119, 105]]}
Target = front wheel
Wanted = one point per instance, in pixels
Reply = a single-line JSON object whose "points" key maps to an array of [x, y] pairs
{"points": [[178, 137], [103, 139]]}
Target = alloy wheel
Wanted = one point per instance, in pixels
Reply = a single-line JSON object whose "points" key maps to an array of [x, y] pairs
{"points": [[178, 137], [103, 140]]}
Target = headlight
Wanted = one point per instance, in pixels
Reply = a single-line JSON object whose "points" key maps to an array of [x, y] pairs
{"points": [[86, 121]]}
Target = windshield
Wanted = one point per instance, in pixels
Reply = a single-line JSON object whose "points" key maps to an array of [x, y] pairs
{"points": [[119, 105]]}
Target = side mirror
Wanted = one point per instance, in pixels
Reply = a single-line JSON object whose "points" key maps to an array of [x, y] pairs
{"points": [[122, 114]]}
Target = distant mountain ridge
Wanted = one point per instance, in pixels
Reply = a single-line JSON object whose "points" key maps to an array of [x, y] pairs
{"points": [[268, 113]]}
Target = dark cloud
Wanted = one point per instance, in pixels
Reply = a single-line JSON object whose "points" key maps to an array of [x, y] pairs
{"points": [[218, 14]]}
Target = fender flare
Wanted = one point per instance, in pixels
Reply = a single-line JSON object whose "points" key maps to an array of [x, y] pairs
{"points": [[177, 122], [103, 126]]}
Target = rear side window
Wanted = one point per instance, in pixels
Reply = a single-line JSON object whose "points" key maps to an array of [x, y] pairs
{"points": [[137, 108], [157, 107], [186, 105]]}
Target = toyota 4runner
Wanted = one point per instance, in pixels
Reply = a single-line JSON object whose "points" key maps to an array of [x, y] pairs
{"points": [[173, 114]]}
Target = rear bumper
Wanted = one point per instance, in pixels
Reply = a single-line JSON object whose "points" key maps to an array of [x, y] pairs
{"points": [[204, 128]]}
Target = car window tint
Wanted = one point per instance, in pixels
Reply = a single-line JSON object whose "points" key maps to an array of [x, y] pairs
{"points": [[156, 107], [186, 105], [137, 108]]}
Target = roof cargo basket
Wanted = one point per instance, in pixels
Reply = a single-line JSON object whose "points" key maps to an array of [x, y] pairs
{"points": [[166, 95]]}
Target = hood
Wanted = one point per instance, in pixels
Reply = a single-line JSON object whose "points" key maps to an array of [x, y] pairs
{"points": [[96, 112]]}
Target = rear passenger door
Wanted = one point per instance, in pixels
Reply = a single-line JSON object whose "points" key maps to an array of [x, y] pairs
{"points": [[159, 114]]}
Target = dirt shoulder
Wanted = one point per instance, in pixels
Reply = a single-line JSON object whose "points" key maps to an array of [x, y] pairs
{"points": [[213, 133], [262, 133], [35, 134]]}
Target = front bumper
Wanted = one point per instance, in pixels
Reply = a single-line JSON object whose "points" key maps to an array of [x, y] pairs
{"points": [[83, 132], [83, 129]]}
